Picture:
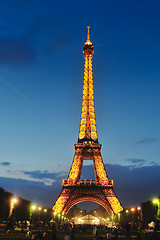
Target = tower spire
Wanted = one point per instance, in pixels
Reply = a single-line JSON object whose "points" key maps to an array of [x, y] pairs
{"points": [[88, 36]]}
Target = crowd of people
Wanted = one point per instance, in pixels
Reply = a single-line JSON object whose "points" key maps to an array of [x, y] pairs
{"points": [[68, 231]]}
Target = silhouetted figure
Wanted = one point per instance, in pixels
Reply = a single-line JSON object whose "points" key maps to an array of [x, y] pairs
{"points": [[128, 230], [115, 233], [108, 235], [71, 236], [138, 237], [53, 233]]}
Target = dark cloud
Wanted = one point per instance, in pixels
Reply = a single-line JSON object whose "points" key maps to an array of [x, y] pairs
{"points": [[13, 52], [5, 163], [55, 45], [147, 140], [40, 37], [46, 175], [136, 186]]}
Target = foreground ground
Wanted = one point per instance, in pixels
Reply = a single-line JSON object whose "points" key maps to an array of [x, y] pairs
{"points": [[79, 236]]}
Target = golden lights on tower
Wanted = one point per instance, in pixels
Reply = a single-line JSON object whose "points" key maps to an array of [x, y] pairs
{"points": [[88, 123], [87, 148]]}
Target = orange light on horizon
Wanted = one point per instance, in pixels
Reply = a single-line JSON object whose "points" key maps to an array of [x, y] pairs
{"points": [[15, 200]]}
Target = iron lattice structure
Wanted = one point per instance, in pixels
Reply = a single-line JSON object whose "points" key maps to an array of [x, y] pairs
{"points": [[99, 190]]}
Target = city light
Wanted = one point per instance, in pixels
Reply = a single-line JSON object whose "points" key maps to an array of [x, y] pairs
{"points": [[155, 201], [14, 200], [33, 207], [132, 209]]}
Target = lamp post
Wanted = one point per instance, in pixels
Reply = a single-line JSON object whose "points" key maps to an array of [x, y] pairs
{"points": [[133, 210], [156, 201], [119, 217], [54, 215], [13, 208], [32, 209], [127, 212], [139, 214], [39, 210]]}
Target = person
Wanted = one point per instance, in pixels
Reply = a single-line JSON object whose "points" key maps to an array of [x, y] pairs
{"points": [[128, 230], [116, 233], [71, 236], [138, 237], [108, 235], [94, 230], [67, 236], [53, 234]]}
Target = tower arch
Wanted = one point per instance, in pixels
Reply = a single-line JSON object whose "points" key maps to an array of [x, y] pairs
{"points": [[70, 204]]}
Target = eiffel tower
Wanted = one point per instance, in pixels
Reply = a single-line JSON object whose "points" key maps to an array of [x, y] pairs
{"points": [[100, 189]]}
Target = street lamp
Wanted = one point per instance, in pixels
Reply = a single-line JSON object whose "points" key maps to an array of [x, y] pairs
{"points": [[133, 210], [139, 214], [32, 209], [54, 215], [39, 209], [14, 201], [119, 217], [156, 201]]}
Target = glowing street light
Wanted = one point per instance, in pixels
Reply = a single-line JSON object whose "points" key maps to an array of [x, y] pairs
{"points": [[33, 207], [39, 209], [54, 215], [13, 202], [156, 201], [133, 210]]}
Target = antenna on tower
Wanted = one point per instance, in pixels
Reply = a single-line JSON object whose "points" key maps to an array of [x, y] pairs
{"points": [[88, 36]]}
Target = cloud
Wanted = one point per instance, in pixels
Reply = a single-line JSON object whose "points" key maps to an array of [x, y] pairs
{"points": [[37, 192], [45, 176], [59, 43], [5, 163], [136, 162], [147, 140], [15, 51], [30, 42]]}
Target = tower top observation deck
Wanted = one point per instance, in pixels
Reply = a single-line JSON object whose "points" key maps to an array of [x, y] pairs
{"points": [[88, 46]]}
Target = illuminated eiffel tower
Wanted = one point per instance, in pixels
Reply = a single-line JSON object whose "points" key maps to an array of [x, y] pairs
{"points": [[76, 190]]}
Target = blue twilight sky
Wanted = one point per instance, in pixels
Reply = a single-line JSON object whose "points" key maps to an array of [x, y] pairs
{"points": [[41, 77]]}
